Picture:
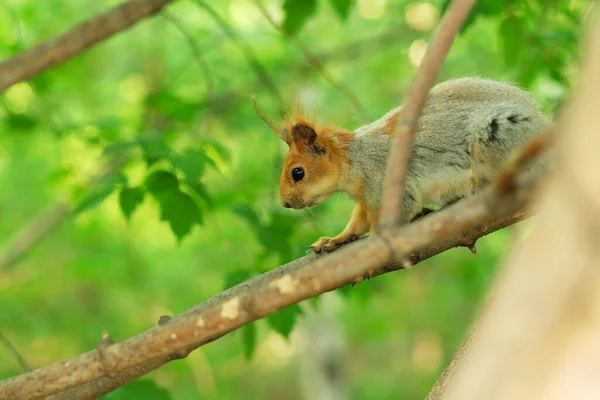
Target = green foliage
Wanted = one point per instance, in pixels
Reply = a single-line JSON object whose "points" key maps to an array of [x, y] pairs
{"points": [[283, 321], [145, 389], [342, 7], [176, 207], [129, 199], [249, 340], [274, 235], [102, 190], [297, 12]]}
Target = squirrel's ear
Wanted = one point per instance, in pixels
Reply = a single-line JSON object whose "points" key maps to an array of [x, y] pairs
{"points": [[279, 131], [306, 136]]}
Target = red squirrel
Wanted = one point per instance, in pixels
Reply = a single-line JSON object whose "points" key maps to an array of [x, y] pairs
{"points": [[468, 129]]}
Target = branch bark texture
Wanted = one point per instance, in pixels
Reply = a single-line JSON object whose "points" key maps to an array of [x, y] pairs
{"points": [[61, 48], [110, 366]]}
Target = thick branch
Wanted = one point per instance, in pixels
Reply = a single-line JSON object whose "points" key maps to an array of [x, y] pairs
{"points": [[391, 207], [458, 225], [61, 48]]}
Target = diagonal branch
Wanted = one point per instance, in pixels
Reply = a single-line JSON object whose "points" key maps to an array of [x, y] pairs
{"points": [[267, 81], [102, 370], [15, 352], [61, 48], [391, 204], [41, 226], [315, 62]]}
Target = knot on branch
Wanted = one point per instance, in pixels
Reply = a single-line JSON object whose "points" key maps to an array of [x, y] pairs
{"points": [[164, 319], [105, 343]]}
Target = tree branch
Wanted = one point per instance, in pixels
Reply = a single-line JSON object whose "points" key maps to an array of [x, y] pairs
{"points": [[61, 48], [391, 204], [102, 370], [13, 350]]}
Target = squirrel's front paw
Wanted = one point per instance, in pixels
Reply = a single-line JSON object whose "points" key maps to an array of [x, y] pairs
{"points": [[326, 244]]}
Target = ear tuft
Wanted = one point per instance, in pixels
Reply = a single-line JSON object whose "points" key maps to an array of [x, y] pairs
{"points": [[279, 131]]}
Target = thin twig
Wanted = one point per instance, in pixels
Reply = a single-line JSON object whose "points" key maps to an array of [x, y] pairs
{"points": [[13, 349], [316, 63], [63, 47], [210, 94], [259, 69], [407, 125], [456, 225], [35, 231]]}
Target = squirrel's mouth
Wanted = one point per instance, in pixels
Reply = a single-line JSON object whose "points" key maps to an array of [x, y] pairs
{"points": [[298, 204]]}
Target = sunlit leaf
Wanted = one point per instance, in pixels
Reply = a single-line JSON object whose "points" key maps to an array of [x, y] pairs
{"points": [[297, 12], [161, 183], [283, 321], [20, 122], [249, 340], [130, 199], [181, 212], [174, 107], [100, 192], [154, 148], [236, 277], [342, 7], [145, 389]]}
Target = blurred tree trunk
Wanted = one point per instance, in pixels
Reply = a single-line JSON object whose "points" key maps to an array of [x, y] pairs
{"points": [[322, 353], [538, 338]]}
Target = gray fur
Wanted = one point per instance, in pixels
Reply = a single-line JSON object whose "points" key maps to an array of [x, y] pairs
{"points": [[466, 121]]}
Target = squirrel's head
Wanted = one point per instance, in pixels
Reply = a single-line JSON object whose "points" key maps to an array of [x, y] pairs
{"points": [[313, 166]]}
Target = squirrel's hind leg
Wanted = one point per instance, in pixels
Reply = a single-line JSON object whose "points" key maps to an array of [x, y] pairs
{"points": [[358, 226]]}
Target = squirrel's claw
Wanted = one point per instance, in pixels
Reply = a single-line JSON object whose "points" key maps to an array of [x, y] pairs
{"points": [[319, 245], [326, 245]]}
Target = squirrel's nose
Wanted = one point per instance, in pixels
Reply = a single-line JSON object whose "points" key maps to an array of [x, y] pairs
{"points": [[287, 205]]}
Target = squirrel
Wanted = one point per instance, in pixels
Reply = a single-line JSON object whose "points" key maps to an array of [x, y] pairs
{"points": [[469, 127]]}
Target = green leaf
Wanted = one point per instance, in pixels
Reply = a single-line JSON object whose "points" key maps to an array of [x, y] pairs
{"points": [[297, 13], [145, 389], [200, 189], [249, 340], [511, 32], [161, 183], [181, 212], [98, 194], [342, 7], [221, 150], [283, 320], [174, 107], [154, 148], [248, 214], [192, 163], [20, 122], [130, 199], [118, 147], [236, 277]]}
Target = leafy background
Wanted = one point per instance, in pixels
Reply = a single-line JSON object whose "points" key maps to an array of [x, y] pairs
{"points": [[151, 139]]}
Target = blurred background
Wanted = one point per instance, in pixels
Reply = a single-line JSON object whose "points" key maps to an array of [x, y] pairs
{"points": [[144, 183]]}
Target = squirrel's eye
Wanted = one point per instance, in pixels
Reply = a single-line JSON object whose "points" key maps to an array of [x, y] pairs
{"points": [[297, 174]]}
